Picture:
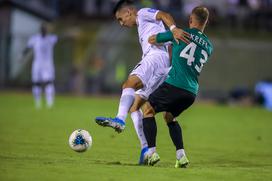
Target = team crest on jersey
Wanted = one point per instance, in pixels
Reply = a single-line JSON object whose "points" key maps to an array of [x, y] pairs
{"points": [[151, 10]]}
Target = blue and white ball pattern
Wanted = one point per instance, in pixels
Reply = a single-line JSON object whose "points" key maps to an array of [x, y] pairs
{"points": [[80, 140]]}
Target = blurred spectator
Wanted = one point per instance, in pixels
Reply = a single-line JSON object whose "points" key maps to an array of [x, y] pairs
{"points": [[163, 4], [176, 6], [254, 5], [266, 14], [232, 12], [70, 7], [214, 19], [263, 91], [240, 96], [147, 3], [255, 12], [95, 74], [243, 13], [98, 5], [189, 6]]}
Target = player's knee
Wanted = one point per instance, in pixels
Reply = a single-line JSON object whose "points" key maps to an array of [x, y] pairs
{"points": [[168, 117], [133, 82], [149, 112], [136, 106], [133, 109], [138, 103]]}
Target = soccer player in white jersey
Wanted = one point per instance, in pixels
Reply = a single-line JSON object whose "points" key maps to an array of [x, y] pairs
{"points": [[148, 73], [43, 71]]}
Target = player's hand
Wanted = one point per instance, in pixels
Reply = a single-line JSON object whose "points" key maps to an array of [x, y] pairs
{"points": [[152, 39], [179, 34]]}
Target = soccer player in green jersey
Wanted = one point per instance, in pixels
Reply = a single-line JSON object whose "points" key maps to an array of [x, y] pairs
{"points": [[179, 90]]}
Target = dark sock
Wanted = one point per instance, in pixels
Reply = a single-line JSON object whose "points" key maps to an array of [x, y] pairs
{"points": [[150, 131], [176, 134]]}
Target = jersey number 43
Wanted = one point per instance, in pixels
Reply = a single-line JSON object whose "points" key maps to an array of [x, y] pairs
{"points": [[189, 54]]}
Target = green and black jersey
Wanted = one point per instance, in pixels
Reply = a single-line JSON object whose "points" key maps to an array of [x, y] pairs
{"points": [[187, 59]]}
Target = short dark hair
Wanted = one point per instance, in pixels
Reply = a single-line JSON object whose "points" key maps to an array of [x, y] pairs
{"points": [[202, 14], [121, 4]]}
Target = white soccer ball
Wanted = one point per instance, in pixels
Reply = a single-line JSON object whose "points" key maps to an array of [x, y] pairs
{"points": [[80, 140]]}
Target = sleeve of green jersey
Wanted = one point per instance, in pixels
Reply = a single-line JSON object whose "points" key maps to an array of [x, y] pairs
{"points": [[164, 37]]}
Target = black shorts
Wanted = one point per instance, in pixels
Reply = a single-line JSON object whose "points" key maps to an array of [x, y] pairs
{"points": [[168, 98], [42, 83]]}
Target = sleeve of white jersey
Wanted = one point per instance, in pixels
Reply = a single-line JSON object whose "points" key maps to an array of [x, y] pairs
{"points": [[148, 14], [168, 43]]}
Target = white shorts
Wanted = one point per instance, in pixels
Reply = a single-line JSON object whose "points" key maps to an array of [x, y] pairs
{"points": [[152, 70], [42, 73]]}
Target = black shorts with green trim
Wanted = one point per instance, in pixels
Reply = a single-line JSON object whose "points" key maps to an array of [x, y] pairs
{"points": [[168, 98]]}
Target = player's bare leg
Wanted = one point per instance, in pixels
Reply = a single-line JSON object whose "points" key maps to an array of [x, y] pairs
{"points": [[175, 132], [132, 84]]}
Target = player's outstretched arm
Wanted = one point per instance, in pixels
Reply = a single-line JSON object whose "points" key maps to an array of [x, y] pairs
{"points": [[161, 38], [178, 33]]}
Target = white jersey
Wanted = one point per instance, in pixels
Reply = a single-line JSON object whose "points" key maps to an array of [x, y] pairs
{"points": [[148, 26], [43, 48], [43, 65]]}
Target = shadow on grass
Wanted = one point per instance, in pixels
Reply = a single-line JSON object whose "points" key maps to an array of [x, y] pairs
{"points": [[115, 163]]}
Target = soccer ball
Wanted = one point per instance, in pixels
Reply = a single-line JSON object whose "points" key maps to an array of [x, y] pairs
{"points": [[80, 140]]}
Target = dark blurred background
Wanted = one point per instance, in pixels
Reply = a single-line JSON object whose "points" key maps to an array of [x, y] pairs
{"points": [[94, 54]]}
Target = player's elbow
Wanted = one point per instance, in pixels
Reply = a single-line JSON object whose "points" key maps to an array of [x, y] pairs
{"points": [[161, 15]]}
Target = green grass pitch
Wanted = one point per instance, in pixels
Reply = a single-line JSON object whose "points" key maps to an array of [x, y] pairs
{"points": [[222, 143]]}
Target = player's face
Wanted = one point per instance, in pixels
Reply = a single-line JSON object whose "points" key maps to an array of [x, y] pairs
{"points": [[194, 22], [125, 18], [190, 20]]}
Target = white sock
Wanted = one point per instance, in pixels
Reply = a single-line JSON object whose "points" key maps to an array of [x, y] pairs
{"points": [[137, 118], [49, 94], [180, 153], [37, 91], [126, 101], [151, 151]]}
